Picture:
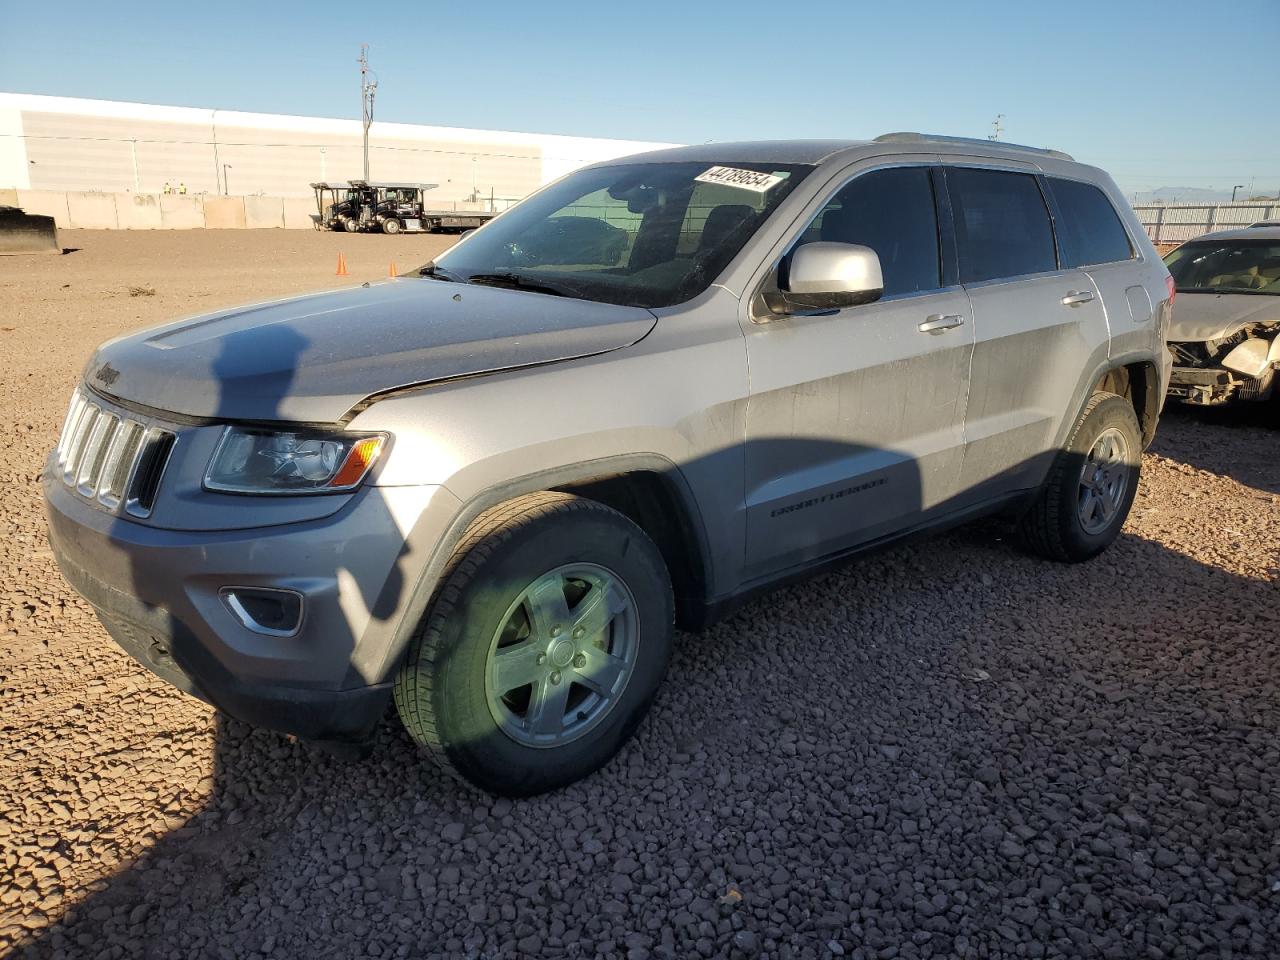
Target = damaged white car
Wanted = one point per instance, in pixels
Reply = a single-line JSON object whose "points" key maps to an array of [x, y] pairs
{"points": [[1225, 334]]}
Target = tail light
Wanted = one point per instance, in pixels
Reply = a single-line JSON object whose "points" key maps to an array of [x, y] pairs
{"points": [[1173, 288]]}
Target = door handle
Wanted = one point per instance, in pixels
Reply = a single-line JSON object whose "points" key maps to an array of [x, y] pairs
{"points": [[1077, 297], [940, 321]]}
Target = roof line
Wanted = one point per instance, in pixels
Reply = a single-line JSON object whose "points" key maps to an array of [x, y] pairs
{"points": [[912, 137]]}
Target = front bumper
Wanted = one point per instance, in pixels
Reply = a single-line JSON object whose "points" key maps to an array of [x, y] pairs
{"points": [[157, 593], [1211, 386]]}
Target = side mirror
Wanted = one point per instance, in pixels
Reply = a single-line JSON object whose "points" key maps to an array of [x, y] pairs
{"points": [[828, 276]]}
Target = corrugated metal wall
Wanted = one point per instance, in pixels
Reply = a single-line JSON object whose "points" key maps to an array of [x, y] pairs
{"points": [[1179, 222], [63, 144]]}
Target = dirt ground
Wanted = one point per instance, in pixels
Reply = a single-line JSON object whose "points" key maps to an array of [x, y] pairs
{"points": [[948, 750]]}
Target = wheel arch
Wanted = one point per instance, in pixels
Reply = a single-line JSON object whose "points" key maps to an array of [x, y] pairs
{"points": [[663, 507], [647, 488], [1138, 381]]}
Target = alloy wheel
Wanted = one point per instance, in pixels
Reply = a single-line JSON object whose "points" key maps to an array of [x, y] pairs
{"points": [[1104, 481], [562, 655]]}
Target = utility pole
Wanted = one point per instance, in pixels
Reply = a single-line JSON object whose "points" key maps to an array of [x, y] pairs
{"points": [[368, 87], [1238, 186], [996, 127], [133, 149]]}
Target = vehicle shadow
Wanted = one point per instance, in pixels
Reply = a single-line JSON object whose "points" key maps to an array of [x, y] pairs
{"points": [[1194, 435], [813, 712]]}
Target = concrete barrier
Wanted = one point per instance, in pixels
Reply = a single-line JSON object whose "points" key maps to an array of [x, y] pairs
{"points": [[299, 213], [138, 211], [260, 212], [171, 211], [181, 212], [49, 203], [224, 213], [92, 211]]}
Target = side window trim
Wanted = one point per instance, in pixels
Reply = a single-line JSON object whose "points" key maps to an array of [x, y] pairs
{"points": [[948, 249], [1055, 220]]}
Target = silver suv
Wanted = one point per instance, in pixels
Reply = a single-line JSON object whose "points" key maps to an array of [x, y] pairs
{"points": [[492, 489]]}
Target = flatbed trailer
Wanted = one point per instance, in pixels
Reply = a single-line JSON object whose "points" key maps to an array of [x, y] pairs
{"points": [[445, 221], [360, 206]]}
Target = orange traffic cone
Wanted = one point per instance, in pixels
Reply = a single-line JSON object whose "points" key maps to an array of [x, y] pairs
{"points": [[391, 269], [342, 266]]}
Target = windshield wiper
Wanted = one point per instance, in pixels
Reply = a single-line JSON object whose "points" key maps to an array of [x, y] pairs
{"points": [[433, 272], [515, 282]]}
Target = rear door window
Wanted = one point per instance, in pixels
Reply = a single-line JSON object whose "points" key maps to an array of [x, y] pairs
{"points": [[1002, 224], [1089, 228], [892, 212]]}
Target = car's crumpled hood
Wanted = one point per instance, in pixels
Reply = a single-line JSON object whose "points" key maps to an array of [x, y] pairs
{"points": [[1213, 316], [313, 358]]}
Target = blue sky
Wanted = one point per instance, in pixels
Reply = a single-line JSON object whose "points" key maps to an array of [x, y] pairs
{"points": [[1161, 94]]}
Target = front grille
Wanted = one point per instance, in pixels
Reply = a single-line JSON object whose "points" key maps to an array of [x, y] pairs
{"points": [[111, 458]]}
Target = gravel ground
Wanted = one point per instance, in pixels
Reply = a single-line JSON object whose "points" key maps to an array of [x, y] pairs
{"points": [[946, 750]]}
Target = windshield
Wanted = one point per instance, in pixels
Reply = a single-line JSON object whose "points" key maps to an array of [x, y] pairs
{"points": [[646, 235], [1226, 266]]}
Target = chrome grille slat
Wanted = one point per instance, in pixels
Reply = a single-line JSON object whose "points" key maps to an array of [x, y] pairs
{"points": [[99, 454], [119, 463], [79, 437], [94, 449], [73, 415]]}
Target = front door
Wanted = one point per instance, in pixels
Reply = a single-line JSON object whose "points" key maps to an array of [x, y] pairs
{"points": [[855, 418]]}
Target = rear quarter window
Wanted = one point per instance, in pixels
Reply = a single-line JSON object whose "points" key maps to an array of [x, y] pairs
{"points": [[1089, 228]]}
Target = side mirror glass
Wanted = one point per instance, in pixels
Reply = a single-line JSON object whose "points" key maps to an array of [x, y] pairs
{"points": [[828, 276]]}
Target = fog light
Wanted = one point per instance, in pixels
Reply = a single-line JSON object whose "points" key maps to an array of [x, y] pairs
{"points": [[275, 613]]}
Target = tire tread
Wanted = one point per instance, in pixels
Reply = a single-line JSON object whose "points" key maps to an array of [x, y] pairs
{"points": [[1041, 525]]}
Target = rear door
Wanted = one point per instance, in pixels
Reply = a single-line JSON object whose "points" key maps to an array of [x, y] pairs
{"points": [[855, 419], [1092, 238], [1038, 325]]}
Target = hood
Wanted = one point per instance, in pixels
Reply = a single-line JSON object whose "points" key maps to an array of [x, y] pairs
{"points": [[313, 358], [1215, 316]]}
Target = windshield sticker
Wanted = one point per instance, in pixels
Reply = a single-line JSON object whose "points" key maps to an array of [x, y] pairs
{"points": [[751, 180]]}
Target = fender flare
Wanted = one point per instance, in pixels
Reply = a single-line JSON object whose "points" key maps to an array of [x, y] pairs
{"points": [[428, 580], [1097, 373]]}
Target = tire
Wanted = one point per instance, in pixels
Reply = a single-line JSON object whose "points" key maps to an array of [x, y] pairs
{"points": [[497, 603], [390, 226], [351, 226], [1063, 523]]}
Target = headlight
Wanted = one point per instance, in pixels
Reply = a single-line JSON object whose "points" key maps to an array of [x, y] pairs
{"points": [[254, 460]]}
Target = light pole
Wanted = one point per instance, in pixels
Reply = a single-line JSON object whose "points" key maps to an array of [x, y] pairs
{"points": [[368, 87], [226, 187], [1238, 186], [133, 150]]}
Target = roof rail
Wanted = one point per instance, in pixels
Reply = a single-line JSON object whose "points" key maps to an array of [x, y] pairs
{"points": [[907, 137]]}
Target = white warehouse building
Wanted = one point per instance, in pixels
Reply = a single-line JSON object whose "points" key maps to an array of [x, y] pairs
{"points": [[78, 145]]}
